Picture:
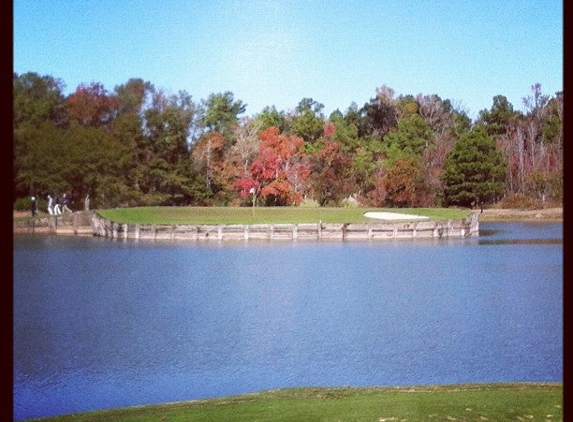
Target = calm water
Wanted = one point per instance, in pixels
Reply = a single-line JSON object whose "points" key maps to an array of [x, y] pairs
{"points": [[101, 323]]}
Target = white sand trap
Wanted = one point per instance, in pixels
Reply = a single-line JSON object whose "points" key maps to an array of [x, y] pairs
{"points": [[393, 216]]}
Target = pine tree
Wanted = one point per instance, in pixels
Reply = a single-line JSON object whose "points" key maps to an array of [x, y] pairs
{"points": [[474, 172]]}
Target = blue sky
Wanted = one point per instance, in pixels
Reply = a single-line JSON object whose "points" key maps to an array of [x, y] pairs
{"points": [[276, 52]]}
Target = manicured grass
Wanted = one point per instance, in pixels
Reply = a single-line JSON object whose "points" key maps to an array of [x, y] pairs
{"points": [[262, 215], [468, 402]]}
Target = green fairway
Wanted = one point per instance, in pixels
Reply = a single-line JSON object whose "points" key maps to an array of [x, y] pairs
{"points": [[468, 402], [263, 215]]}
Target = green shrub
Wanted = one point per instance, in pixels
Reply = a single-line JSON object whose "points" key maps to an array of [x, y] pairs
{"points": [[23, 204], [350, 202], [309, 203]]}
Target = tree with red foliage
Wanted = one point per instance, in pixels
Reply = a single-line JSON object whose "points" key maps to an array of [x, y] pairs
{"points": [[91, 105], [331, 173], [401, 182], [279, 171]]}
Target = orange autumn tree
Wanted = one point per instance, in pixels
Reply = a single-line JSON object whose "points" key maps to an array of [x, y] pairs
{"points": [[91, 105], [401, 182], [280, 170], [209, 157]]}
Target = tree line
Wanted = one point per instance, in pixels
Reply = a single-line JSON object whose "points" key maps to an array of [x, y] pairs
{"points": [[138, 145]]}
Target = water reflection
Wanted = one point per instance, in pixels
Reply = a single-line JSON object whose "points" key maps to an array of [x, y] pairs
{"points": [[521, 242], [525, 233]]}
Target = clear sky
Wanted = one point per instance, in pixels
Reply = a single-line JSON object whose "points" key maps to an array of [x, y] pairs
{"points": [[277, 52]]}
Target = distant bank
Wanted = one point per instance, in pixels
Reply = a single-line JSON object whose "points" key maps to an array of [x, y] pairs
{"points": [[499, 214]]}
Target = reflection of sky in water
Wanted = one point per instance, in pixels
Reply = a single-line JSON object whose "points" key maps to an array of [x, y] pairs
{"points": [[101, 323]]}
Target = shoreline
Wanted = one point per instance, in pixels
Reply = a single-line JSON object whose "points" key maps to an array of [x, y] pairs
{"points": [[509, 215], [78, 224], [464, 401], [488, 215]]}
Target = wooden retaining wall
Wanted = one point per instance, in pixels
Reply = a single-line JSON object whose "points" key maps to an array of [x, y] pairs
{"points": [[303, 231], [77, 223]]}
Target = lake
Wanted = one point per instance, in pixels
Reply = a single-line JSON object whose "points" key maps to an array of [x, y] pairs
{"points": [[102, 323]]}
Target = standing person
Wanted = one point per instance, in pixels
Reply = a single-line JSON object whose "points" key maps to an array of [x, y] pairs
{"points": [[57, 208], [50, 205], [87, 202], [34, 206], [65, 202]]}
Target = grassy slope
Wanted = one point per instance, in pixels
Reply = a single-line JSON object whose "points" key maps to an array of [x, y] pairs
{"points": [[471, 402], [267, 215]]}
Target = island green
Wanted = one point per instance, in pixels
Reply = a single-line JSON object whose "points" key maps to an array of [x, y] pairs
{"points": [[264, 215]]}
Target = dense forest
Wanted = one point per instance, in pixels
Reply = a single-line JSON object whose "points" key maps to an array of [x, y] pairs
{"points": [[141, 146]]}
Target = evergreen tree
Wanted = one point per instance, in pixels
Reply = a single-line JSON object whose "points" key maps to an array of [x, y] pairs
{"points": [[498, 118], [474, 172], [412, 136], [220, 113], [308, 122]]}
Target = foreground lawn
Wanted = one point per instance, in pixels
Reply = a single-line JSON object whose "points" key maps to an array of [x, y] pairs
{"points": [[471, 402], [262, 215]]}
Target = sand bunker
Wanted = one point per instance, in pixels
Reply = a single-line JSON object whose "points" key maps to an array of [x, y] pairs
{"points": [[393, 216]]}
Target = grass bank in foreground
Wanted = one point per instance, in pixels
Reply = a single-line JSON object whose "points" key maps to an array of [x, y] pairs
{"points": [[467, 402], [263, 215]]}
